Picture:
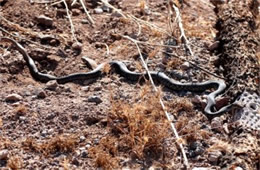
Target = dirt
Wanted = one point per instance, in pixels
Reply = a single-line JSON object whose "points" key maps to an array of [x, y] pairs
{"points": [[112, 122]]}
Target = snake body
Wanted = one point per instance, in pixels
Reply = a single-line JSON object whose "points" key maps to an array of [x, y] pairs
{"points": [[121, 69]]}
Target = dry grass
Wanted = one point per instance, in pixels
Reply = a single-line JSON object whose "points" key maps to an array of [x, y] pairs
{"points": [[20, 110], [1, 122], [15, 163], [60, 143], [138, 129]]}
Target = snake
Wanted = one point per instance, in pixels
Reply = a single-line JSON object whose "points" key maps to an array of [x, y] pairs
{"points": [[121, 69]]}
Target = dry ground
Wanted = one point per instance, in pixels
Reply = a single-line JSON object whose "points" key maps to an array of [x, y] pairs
{"points": [[111, 122]]}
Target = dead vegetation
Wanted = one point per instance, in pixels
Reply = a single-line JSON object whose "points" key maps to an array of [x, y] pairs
{"points": [[60, 143], [15, 163], [137, 129]]}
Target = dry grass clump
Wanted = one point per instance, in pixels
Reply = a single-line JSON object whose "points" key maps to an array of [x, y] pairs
{"points": [[105, 153], [20, 110], [187, 128], [60, 143], [15, 163], [137, 129]]}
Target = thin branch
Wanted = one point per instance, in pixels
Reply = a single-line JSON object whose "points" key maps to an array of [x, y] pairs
{"points": [[22, 38], [92, 22], [161, 102], [71, 24], [114, 8], [180, 25], [196, 66]]}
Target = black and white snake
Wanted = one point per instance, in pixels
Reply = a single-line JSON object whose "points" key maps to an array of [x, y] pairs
{"points": [[121, 69]]}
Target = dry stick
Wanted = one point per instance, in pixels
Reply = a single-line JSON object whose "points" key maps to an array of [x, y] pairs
{"points": [[22, 38], [179, 21], [195, 65], [92, 22], [111, 6], [71, 24], [149, 24], [161, 102]]}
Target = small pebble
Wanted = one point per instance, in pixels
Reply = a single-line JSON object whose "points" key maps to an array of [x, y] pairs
{"points": [[75, 12], [216, 123], [13, 98], [94, 99], [98, 10], [82, 138], [105, 8], [185, 66], [85, 88], [75, 161], [91, 64], [51, 85], [44, 20], [4, 154], [214, 157], [22, 118], [98, 88], [214, 46], [77, 46], [44, 133], [41, 93]]}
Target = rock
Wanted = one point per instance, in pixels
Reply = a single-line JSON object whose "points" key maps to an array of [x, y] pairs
{"points": [[84, 154], [216, 123], [105, 8], [214, 46], [214, 157], [94, 99], [44, 20], [44, 133], [50, 116], [13, 98], [82, 138], [77, 46], [185, 65], [45, 37], [91, 64], [75, 161], [52, 85], [75, 12], [98, 88], [84, 21], [22, 118], [85, 88], [54, 58], [98, 10], [40, 93], [4, 154]]}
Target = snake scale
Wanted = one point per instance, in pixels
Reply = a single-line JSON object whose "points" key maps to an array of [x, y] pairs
{"points": [[122, 70]]}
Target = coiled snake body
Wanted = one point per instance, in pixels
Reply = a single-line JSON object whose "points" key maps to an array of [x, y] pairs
{"points": [[121, 69]]}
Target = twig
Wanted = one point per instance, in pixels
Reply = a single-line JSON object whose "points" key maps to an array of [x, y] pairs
{"points": [[71, 24], [114, 8], [92, 22], [22, 38], [149, 24], [178, 19], [161, 102], [196, 66]]}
